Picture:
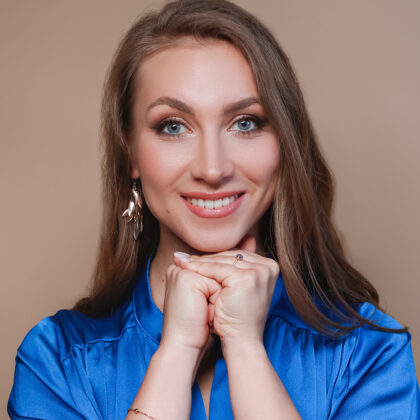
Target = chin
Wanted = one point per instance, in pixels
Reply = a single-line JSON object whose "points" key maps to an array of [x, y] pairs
{"points": [[209, 245]]}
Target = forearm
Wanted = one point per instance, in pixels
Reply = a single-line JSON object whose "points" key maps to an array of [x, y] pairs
{"points": [[256, 391], [165, 393]]}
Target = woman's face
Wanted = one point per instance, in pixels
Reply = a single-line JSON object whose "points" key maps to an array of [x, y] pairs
{"points": [[207, 158]]}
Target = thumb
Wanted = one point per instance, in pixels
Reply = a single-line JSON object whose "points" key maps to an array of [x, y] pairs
{"points": [[248, 243]]}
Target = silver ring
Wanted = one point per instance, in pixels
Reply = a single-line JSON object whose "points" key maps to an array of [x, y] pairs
{"points": [[238, 257]]}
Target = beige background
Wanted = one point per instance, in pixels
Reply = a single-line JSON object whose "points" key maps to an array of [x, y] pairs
{"points": [[359, 65]]}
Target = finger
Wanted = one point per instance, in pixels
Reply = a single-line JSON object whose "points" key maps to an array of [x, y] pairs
{"points": [[228, 256], [219, 271], [226, 261], [204, 284], [171, 268], [226, 273], [214, 296], [211, 313], [229, 265], [208, 286], [220, 259]]}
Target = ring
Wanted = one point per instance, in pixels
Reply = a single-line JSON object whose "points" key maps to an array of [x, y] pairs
{"points": [[238, 257]]}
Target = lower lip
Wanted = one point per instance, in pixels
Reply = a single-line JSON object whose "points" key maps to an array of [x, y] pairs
{"points": [[212, 213]]}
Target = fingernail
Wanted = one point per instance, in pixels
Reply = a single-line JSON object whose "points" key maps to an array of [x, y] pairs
{"points": [[182, 256]]}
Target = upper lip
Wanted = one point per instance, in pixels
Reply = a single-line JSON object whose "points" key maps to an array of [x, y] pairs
{"points": [[210, 195]]}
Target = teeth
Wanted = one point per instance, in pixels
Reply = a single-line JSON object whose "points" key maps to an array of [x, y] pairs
{"points": [[218, 204], [209, 204], [213, 204]]}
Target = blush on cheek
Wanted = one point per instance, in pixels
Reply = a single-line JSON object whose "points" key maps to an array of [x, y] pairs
{"points": [[148, 160], [162, 159], [263, 162]]}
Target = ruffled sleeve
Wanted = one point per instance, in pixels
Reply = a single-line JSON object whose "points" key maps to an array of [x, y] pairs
{"points": [[40, 389], [379, 380]]}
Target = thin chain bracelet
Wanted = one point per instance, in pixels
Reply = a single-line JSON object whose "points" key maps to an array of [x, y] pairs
{"points": [[137, 411]]}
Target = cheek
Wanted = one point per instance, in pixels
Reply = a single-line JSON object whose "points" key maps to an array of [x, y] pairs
{"points": [[151, 158], [262, 163], [159, 167]]}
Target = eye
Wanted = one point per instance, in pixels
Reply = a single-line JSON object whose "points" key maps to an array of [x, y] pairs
{"points": [[248, 124], [171, 127]]}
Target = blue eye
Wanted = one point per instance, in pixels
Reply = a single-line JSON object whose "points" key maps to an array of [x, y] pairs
{"points": [[247, 124], [171, 127]]}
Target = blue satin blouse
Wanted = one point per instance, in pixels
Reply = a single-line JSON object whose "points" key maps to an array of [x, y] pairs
{"points": [[70, 366]]}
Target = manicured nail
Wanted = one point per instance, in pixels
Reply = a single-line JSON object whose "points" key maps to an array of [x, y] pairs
{"points": [[182, 256], [179, 254]]}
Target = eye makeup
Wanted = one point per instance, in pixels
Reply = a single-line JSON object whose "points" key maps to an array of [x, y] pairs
{"points": [[164, 127]]}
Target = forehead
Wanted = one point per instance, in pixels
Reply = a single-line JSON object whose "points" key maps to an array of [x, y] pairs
{"points": [[205, 71]]}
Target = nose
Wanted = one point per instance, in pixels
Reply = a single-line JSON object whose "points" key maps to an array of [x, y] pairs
{"points": [[213, 161]]}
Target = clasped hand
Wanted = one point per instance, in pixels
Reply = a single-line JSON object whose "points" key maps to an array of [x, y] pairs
{"points": [[211, 294]]}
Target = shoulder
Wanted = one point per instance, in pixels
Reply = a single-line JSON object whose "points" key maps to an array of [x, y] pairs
{"points": [[52, 362], [379, 374], [68, 328], [382, 319], [373, 372], [366, 344], [374, 349], [284, 309]]}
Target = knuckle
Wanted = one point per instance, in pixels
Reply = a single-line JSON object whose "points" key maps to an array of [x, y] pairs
{"points": [[266, 271], [182, 275], [171, 268], [251, 277], [274, 267], [172, 273]]}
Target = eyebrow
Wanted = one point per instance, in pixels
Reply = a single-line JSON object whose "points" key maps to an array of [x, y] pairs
{"points": [[182, 106]]}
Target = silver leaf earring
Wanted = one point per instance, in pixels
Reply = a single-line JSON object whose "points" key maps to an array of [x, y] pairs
{"points": [[134, 211]]}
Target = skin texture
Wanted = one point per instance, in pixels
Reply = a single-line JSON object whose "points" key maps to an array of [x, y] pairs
{"points": [[207, 149]]}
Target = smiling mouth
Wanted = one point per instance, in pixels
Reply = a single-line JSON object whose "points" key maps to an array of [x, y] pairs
{"points": [[213, 204]]}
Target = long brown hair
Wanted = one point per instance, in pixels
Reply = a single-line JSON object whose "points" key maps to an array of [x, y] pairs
{"points": [[297, 228]]}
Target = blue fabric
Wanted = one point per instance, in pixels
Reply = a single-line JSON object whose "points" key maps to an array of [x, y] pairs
{"points": [[70, 366]]}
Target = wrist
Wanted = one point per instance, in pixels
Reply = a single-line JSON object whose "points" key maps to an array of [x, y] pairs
{"points": [[184, 359], [243, 348], [175, 351]]}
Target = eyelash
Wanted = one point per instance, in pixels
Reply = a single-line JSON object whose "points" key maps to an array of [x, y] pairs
{"points": [[259, 124]]}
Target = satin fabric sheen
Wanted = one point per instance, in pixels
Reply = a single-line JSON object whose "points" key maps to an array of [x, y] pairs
{"points": [[70, 366]]}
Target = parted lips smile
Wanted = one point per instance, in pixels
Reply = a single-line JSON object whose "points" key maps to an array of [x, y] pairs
{"points": [[216, 204]]}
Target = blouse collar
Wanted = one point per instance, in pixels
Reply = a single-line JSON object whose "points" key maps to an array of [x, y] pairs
{"points": [[149, 315]]}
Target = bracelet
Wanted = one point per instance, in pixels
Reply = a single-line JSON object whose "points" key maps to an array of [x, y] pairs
{"points": [[137, 411]]}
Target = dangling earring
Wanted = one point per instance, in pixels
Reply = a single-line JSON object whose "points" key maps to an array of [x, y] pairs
{"points": [[134, 211]]}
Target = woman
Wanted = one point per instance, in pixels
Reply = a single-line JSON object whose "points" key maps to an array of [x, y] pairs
{"points": [[221, 289]]}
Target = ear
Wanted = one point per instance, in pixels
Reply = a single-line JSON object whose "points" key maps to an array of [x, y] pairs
{"points": [[135, 173]]}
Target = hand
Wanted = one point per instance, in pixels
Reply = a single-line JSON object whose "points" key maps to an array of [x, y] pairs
{"points": [[185, 309], [241, 305]]}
